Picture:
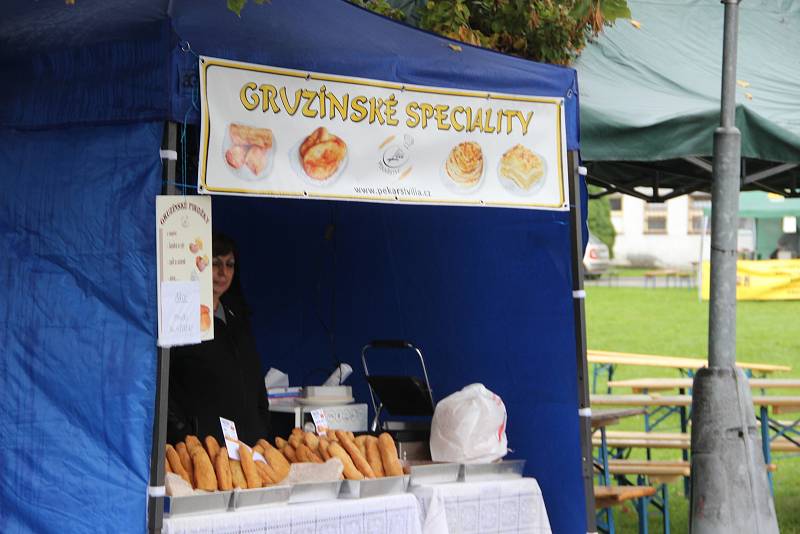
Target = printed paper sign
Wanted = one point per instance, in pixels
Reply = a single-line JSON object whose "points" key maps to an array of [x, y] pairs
{"points": [[285, 133], [183, 254], [179, 304], [231, 438], [320, 421]]}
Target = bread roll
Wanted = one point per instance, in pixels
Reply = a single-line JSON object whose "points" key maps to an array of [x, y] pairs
{"points": [[222, 468], [290, 454], [359, 460], [295, 440], [305, 454], [277, 461], [249, 467], [267, 472], [391, 463], [186, 461], [350, 472], [280, 443], [237, 475], [374, 456], [192, 442], [212, 446], [311, 440], [205, 477], [361, 442], [174, 460], [323, 448]]}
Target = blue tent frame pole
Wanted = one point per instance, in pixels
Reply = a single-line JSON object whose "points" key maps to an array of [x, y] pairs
{"points": [[579, 316], [155, 502]]}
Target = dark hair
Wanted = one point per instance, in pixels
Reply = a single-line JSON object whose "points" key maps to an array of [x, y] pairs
{"points": [[223, 245]]}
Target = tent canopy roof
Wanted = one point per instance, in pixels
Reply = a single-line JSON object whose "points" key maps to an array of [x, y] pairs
{"points": [[760, 205], [127, 60], [651, 97]]}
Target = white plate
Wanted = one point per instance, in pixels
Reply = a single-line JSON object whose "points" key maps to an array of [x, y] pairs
{"points": [[326, 401], [244, 172], [454, 186], [297, 167], [512, 187]]}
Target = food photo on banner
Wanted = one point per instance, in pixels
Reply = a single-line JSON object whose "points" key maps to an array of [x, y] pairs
{"points": [[445, 211]]}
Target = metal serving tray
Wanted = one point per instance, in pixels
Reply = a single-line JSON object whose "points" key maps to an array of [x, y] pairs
{"points": [[315, 491], [261, 496], [504, 470], [199, 503], [433, 473], [373, 487]]}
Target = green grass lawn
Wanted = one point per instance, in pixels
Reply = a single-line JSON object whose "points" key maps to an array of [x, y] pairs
{"points": [[673, 322]]}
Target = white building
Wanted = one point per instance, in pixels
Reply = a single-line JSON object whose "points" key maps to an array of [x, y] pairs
{"points": [[665, 235]]}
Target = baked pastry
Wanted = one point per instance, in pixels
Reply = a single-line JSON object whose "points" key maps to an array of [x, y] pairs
{"points": [[222, 468], [247, 135], [465, 163], [205, 477], [321, 153], [374, 456], [521, 166], [391, 463], [235, 156], [249, 147], [256, 159], [249, 467]]}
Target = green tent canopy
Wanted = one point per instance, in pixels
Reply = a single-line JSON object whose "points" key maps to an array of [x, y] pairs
{"points": [[650, 97], [759, 205]]}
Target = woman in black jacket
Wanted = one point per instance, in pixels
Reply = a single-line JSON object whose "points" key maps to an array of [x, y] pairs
{"points": [[221, 377]]}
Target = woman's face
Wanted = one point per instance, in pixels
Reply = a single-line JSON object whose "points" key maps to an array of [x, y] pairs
{"points": [[223, 268]]}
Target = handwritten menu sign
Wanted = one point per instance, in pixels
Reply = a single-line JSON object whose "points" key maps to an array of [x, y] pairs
{"points": [[185, 300]]}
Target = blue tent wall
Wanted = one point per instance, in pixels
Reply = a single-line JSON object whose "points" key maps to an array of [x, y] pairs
{"points": [[485, 293], [77, 316]]}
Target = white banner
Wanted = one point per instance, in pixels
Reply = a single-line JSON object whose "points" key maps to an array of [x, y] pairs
{"points": [[284, 133]]}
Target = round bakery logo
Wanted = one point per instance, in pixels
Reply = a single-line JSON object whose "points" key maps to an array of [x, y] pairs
{"points": [[395, 156]]}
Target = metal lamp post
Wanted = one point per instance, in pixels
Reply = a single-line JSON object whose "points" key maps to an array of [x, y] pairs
{"points": [[730, 491]]}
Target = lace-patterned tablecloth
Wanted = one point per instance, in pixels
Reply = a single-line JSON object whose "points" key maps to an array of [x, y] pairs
{"points": [[394, 514], [509, 506]]}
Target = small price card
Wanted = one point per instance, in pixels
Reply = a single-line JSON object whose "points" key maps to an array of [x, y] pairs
{"points": [[232, 440], [320, 421]]}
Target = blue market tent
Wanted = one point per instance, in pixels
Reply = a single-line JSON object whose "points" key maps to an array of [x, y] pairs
{"points": [[487, 293]]}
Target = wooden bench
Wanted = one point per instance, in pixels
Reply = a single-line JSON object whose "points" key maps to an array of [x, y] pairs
{"points": [[652, 276], [607, 496], [628, 439], [658, 471]]}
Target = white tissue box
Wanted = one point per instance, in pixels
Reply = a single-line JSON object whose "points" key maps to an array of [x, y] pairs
{"points": [[284, 396]]}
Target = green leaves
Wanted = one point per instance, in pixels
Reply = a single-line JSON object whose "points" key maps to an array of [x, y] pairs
{"points": [[236, 6], [551, 31]]}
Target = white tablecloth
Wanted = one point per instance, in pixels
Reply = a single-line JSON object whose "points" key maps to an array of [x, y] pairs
{"points": [[394, 514], [508, 506]]}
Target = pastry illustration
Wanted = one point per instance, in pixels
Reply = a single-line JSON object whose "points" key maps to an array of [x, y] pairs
{"points": [[521, 166], [196, 245], [205, 317], [465, 164], [321, 154], [249, 148], [201, 262]]}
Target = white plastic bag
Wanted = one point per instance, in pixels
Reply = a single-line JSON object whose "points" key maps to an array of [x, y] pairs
{"points": [[469, 426]]}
